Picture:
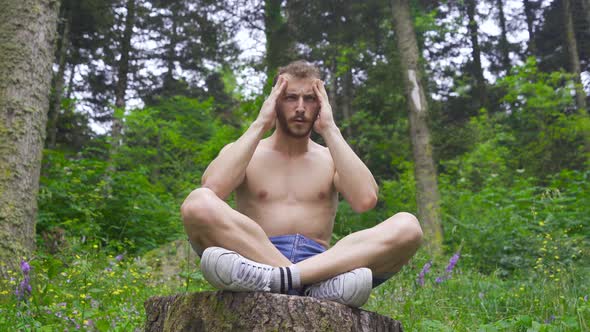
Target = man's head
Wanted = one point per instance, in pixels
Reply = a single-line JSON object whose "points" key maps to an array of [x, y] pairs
{"points": [[298, 107], [299, 69]]}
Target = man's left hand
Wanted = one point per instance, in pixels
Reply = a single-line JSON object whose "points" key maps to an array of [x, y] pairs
{"points": [[325, 120]]}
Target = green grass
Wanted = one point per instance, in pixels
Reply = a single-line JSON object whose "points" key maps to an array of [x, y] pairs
{"points": [[470, 301], [92, 290]]}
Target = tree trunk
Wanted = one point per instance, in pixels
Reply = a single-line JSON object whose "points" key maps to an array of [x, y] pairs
{"points": [[123, 71], [227, 311], [586, 8], [530, 18], [572, 48], [27, 32], [428, 199], [278, 40], [347, 92], [504, 46], [477, 70], [71, 81], [169, 77], [58, 80], [333, 85]]}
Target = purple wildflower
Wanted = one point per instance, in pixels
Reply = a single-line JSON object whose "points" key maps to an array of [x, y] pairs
{"points": [[119, 258], [586, 298], [452, 262], [449, 270], [25, 267], [425, 270], [550, 319], [24, 289]]}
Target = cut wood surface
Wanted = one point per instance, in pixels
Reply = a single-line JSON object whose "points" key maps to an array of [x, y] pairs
{"points": [[227, 311]]}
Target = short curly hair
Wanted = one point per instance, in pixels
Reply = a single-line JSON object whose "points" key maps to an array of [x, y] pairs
{"points": [[299, 69]]}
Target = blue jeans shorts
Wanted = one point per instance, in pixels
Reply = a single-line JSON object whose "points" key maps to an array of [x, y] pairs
{"points": [[297, 247]]}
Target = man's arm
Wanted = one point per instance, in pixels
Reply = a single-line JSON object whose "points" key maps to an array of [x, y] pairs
{"points": [[228, 170], [352, 178]]}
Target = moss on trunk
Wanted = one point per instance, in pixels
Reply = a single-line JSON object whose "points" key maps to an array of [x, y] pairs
{"points": [[27, 30]]}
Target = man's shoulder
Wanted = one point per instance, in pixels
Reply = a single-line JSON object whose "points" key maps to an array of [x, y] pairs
{"points": [[320, 150]]}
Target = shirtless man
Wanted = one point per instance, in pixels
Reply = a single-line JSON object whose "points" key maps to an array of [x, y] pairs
{"points": [[278, 238]]}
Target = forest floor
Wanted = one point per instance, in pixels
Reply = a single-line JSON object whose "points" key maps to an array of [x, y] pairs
{"points": [[100, 292]]}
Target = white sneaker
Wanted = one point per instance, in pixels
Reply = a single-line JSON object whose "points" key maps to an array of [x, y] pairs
{"points": [[351, 288], [228, 270]]}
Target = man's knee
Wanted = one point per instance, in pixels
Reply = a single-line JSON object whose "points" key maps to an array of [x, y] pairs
{"points": [[199, 208], [407, 230]]}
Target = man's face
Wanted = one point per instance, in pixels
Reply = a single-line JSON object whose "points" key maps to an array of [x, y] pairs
{"points": [[298, 107]]}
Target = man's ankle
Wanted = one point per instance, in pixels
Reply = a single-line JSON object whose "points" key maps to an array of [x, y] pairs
{"points": [[285, 279]]}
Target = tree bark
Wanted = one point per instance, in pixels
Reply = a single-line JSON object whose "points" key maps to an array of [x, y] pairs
{"points": [[530, 18], [333, 85], [574, 59], [428, 199], [477, 70], [504, 46], [227, 311], [278, 40], [169, 77], [123, 71], [71, 81], [347, 97], [58, 80], [586, 8], [27, 32]]}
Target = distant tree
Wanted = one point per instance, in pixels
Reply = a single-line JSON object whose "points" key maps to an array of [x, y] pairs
{"points": [[82, 30], [529, 11], [279, 40], [573, 55], [58, 80], [125, 51], [428, 199], [476, 67], [191, 38], [504, 45], [27, 43], [561, 42]]}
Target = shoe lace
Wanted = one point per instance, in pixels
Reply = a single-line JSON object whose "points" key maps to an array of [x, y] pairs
{"points": [[329, 289], [253, 276]]}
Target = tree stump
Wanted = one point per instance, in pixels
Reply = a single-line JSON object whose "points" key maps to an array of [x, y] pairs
{"points": [[227, 311]]}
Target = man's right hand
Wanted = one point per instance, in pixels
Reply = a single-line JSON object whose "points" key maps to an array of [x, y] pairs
{"points": [[268, 115]]}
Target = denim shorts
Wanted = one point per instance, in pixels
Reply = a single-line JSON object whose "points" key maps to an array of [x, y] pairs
{"points": [[297, 247]]}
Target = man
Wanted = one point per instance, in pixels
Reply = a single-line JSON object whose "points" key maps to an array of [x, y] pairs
{"points": [[286, 193]]}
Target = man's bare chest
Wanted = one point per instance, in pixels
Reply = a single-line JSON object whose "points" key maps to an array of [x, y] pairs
{"points": [[301, 180]]}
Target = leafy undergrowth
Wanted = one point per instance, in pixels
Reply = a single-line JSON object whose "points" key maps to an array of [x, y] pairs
{"points": [[95, 291], [466, 300]]}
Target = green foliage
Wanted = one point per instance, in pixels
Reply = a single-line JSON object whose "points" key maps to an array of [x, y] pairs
{"points": [[93, 290], [74, 196], [88, 290], [519, 226], [174, 141], [550, 134], [166, 148], [471, 301]]}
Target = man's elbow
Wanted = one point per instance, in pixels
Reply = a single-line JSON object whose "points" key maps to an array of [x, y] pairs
{"points": [[366, 203], [215, 187]]}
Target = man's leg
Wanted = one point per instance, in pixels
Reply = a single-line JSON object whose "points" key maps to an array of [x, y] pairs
{"points": [[384, 249], [209, 221]]}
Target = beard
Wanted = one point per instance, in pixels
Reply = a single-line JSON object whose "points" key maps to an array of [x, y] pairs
{"points": [[296, 131]]}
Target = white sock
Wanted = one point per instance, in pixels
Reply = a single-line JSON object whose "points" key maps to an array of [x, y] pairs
{"points": [[284, 279]]}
